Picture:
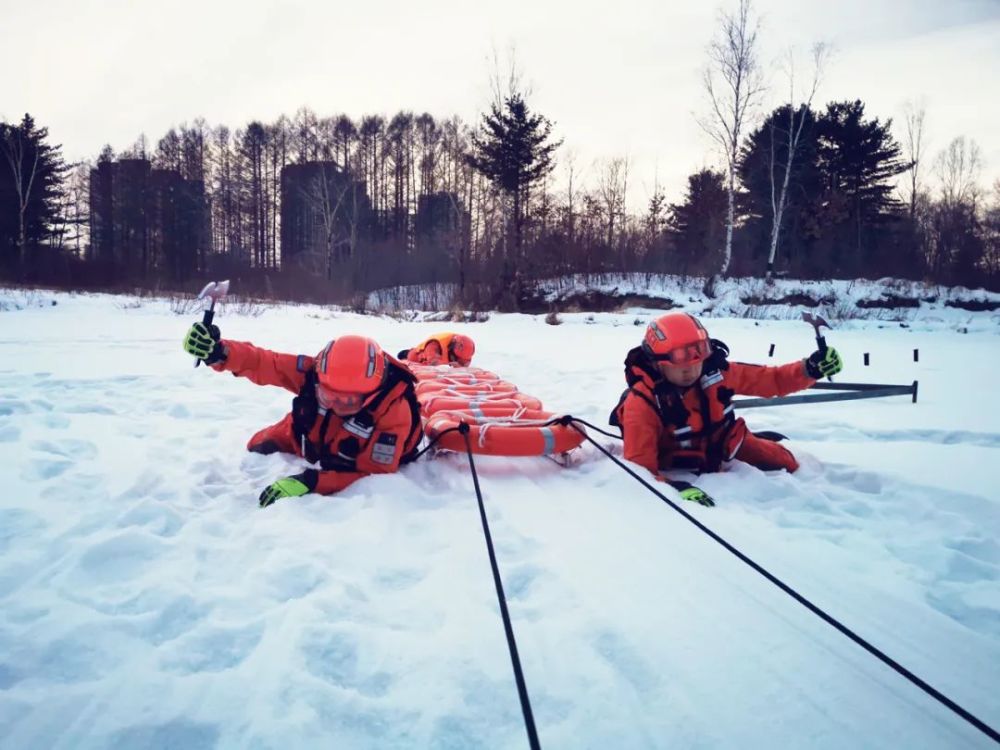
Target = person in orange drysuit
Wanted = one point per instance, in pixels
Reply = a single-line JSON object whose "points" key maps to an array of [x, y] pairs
{"points": [[440, 349], [355, 411], [677, 412]]}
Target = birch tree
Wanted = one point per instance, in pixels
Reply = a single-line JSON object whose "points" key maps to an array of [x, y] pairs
{"points": [[734, 84], [798, 113]]}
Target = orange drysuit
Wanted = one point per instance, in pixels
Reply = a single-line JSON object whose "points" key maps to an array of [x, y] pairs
{"points": [[375, 441], [432, 351], [667, 427]]}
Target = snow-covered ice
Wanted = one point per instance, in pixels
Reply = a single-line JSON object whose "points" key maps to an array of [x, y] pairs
{"points": [[146, 601]]}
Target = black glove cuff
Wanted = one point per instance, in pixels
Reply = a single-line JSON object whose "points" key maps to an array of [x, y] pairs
{"points": [[218, 354], [309, 477]]}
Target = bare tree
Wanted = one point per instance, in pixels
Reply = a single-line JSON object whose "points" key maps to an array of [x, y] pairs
{"points": [[76, 208], [305, 127], [572, 174], [371, 135], [734, 83], [913, 146], [326, 195], [798, 113], [958, 168], [612, 185]]}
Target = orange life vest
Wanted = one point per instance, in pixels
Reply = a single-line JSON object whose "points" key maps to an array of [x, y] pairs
{"points": [[416, 354], [697, 421], [666, 427]]}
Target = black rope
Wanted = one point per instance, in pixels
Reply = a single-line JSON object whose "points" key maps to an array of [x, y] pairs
{"points": [[568, 420], [433, 442], [522, 690], [940, 697]]}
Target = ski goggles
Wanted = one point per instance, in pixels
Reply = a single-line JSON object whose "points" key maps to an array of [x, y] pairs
{"points": [[682, 355], [340, 402]]}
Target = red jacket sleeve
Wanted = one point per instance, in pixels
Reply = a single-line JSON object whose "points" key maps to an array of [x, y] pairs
{"points": [[641, 430], [381, 455], [761, 380], [263, 366]]}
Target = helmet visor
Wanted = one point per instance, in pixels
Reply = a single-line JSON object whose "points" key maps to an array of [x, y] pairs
{"points": [[683, 355], [340, 402]]}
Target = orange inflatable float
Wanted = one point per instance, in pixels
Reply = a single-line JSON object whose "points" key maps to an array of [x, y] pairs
{"points": [[502, 420]]}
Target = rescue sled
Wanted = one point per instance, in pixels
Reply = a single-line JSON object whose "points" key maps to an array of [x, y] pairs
{"points": [[502, 420]]}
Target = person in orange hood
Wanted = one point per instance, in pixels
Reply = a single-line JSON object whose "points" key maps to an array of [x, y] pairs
{"points": [[440, 349], [355, 411], [677, 412]]}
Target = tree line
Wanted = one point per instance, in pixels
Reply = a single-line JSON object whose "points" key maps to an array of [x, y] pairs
{"points": [[812, 193]]}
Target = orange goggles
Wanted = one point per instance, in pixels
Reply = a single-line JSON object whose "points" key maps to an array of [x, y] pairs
{"points": [[683, 355], [340, 401]]}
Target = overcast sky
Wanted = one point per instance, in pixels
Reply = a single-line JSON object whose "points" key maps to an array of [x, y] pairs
{"points": [[617, 78]]}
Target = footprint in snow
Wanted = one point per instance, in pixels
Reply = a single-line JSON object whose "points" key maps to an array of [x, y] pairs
{"points": [[20, 527], [90, 408], [333, 657], [211, 649], [984, 549], [519, 581], [9, 407], [55, 421], [178, 733], [179, 615], [288, 582], [399, 579], [628, 662], [861, 481], [71, 449], [156, 518], [116, 560], [954, 603], [40, 470]]}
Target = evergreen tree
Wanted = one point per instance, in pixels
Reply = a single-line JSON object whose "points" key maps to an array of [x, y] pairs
{"points": [[698, 225], [514, 152], [858, 159], [31, 176], [762, 169]]}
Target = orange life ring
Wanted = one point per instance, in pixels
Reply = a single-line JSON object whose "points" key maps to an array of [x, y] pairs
{"points": [[513, 401], [517, 437], [429, 372], [435, 386]]}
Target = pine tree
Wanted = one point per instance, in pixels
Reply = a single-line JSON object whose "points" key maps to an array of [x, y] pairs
{"points": [[513, 151], [858, 159], [31, 178], [698, 225]]}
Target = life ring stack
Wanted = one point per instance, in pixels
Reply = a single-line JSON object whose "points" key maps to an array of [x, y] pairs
{"points": [[502, 420]]}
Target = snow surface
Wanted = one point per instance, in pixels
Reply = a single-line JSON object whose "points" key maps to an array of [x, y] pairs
{"points": [[146, 602]]}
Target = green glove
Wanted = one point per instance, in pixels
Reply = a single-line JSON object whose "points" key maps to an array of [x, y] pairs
{"points": [[284, 487], [694, 494], [823, 364], [204, 343]]}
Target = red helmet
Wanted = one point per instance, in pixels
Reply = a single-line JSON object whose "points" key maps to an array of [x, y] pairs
{"points": [[462, 348], [676, 339], [348, 369]]}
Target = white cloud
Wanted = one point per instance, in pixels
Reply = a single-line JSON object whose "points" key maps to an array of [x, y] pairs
{"points": [[617, 79]]}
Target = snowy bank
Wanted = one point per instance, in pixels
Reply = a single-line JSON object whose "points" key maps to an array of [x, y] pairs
{"points": [[887, 300]]}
